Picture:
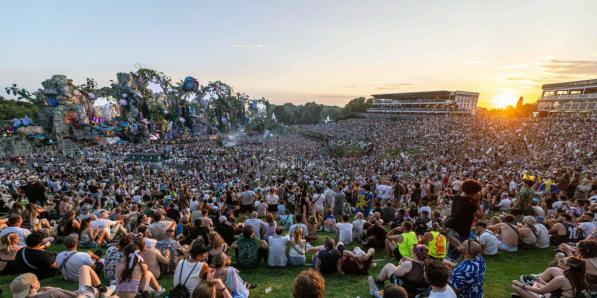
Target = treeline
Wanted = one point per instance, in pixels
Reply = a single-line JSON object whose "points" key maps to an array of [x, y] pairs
{"points": [[312, 113], [10, 109]]}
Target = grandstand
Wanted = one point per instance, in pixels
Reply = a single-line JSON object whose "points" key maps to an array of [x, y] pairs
{"points": [[428, 102], [569, 97]]}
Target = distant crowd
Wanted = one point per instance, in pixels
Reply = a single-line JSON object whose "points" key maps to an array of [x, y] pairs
{"points": [[431, 198]]}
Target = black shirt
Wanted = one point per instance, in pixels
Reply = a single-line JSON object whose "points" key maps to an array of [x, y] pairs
{"points": [[40, 260], [329, 260], [463, 214]]}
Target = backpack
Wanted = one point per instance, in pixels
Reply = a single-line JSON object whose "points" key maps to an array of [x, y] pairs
{"points": [[181, 291]]}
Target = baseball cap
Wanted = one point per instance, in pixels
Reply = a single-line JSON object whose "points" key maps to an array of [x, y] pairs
{"points": [[21, 285]]}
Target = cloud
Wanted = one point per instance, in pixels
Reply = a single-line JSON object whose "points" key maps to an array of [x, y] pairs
{"points": [[245, 45], [569, 67], [393, 86]]}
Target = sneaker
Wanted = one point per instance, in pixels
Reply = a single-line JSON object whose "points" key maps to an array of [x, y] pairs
{"points": [[160, 292], [372, 285]]}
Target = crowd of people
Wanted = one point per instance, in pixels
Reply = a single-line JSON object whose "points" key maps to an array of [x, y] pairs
{"points": [[432, 196]]}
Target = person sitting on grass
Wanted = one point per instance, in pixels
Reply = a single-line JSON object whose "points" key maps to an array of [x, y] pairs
{"points": [[358, 229], [585, 250], [90, 237], [188, 271], [230, 276], [249, 250], [409, 273], [508, 234], [297, 248], [344, 230], [329, 221], [152, 257], [488, 240], [355, 262], [28, 286], [328, 259], [211, 288], [278, 245], [114, 256], [133, 277], [570, 284], [468, 276], [308, 284], [437, 275], [9, 246], [35, 259], [375, 235], [69, 261], [437, 243], [400, 241]]}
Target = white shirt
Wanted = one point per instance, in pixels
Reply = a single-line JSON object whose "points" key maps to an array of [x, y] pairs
{"points": [[193, 276], [193, 205], [512, 186], [446, 293], [504, 204], [102, 223], [489, 242], [71, 268], [22, 233], [357, 227], [272, 199], [542, 236], [277, 251], [318, 200], [587, 228], [345, 234], [426, 208], [256, 224]]}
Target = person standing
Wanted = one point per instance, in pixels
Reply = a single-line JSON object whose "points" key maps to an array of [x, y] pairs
{"points": [[339, 202], [465, 208]]}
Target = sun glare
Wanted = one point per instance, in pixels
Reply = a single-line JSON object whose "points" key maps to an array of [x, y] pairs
{"points": [[505, 98]]}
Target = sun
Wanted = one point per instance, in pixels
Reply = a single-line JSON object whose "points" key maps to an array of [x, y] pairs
{"points": [[504, 98]]}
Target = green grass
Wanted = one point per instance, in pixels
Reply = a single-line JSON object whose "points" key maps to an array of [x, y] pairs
{"points": [[501, 270]]}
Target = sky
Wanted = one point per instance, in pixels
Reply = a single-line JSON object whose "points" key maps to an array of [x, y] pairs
{"points": [[300, 51]]}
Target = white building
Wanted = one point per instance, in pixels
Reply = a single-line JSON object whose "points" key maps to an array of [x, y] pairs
{"points": [[429, 102], [576, 96]]}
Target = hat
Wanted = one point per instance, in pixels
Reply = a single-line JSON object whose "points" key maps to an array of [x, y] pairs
{"points": [[21, 285], [222, 218]]}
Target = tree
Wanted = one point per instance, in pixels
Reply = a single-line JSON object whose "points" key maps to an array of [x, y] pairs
{"points": [[355, 106]]}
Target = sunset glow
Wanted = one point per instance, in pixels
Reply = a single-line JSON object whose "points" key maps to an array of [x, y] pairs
{"points": [[504, 98], [327, 52]]}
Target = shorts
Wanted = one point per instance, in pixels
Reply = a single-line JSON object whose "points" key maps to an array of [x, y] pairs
{"points": [[505, 247], [87, 292]]}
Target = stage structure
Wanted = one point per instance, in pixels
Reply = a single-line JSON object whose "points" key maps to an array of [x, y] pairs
{"points": [[428, 102], [569, 97]]}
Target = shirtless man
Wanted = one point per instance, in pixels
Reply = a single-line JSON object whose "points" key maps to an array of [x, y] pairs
{"points": [[507, 233]]}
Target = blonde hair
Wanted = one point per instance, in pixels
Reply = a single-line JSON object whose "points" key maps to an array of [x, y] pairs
{"points": [[8, 240], [298, 234]]}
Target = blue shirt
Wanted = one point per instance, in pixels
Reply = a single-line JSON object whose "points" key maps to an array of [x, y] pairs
{"points": [[467, 278]]}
